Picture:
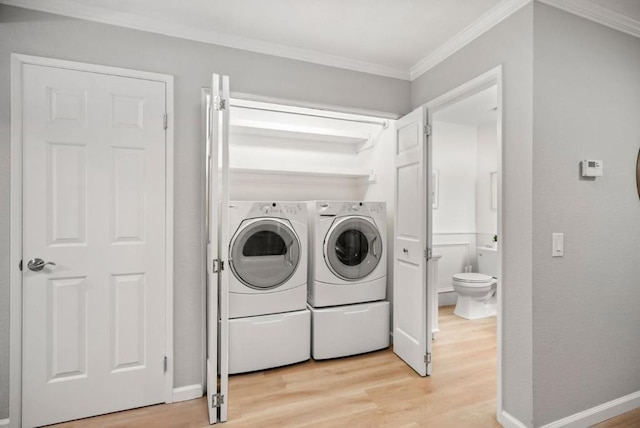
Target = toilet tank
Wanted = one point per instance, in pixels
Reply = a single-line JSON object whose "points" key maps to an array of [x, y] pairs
{"points": [[488, 261]]}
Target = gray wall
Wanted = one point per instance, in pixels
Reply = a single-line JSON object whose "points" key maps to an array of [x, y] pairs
{"points": [[191, 63], [510, 43], [586, 335]]}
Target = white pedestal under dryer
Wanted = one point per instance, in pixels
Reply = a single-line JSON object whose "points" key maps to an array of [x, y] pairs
{"points": [[269, 324], [347, 278], [347, 252]]}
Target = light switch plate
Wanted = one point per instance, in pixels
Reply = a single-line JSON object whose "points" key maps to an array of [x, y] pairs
{"points": [[557, 244]]}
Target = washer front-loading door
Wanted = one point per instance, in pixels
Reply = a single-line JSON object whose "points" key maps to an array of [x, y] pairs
{"points": [[264, 253], [352, 247]]}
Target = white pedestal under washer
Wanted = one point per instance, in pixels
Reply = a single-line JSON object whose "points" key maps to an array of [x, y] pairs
{"points": [[339, 331], [347, 252], [268, 341], [267, 258]]}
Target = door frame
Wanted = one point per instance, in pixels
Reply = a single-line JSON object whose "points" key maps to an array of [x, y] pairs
{"points": [[18, 61], [488, 79]]}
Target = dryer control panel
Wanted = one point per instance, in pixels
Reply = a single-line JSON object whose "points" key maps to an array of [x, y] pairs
{"points": [[291, 210]]}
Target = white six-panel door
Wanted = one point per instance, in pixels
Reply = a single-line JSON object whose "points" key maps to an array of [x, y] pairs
{"points": [[411, 323], [93, 204]]}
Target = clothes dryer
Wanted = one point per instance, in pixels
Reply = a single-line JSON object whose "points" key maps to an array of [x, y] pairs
{"points": [[267, 258], [347, 252]]}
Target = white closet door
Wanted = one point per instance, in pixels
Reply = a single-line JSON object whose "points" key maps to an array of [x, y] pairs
{"points": [[217, 249], [93, 204], [411, 323]]}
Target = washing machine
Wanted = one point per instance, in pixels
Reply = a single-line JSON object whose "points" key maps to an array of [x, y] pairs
{"points": [[347, 252], [269, 324], [267, 258]]}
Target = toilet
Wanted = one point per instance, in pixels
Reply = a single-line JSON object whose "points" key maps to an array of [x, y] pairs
{"points": [[476, 290]]}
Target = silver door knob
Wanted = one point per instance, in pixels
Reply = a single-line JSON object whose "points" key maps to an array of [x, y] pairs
{"points": [[37, 264]]}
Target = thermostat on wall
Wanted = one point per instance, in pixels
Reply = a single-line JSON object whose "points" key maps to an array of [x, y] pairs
{"points": [[591, 168]]}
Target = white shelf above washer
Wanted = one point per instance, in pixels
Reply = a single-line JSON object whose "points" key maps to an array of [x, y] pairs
{"points": [[300, 132], [364, 174]]}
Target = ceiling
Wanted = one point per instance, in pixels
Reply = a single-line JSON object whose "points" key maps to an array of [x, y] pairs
{"points": [[395, 38]]}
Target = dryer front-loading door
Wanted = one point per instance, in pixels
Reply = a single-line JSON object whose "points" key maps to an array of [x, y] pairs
{"points": [[353, 248], [265, 253]]}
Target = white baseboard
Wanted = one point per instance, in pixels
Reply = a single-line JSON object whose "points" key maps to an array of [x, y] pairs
{"points": [[508, 421], [4, 422], [189, 392], [599, 413], [447, 298]]}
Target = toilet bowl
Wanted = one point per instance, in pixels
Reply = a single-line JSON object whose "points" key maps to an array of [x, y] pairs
{"points": [[475, 295]]}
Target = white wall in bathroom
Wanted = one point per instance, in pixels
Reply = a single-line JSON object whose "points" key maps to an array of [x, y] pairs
{"points": [[464, 157], [454, 154], [454, 157], [458, 250], [487, 162]]}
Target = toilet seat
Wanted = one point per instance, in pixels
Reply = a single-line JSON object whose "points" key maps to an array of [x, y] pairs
{"points": [[473, 279]]}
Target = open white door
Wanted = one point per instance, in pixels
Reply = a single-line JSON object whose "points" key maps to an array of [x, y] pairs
{"points": [[217, 121], [411, 321]]}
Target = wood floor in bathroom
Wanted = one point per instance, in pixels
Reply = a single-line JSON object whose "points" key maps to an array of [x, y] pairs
{"points": [[371, 390]]}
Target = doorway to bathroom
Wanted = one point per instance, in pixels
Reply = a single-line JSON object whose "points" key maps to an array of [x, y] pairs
{"points": [[464, 225]]}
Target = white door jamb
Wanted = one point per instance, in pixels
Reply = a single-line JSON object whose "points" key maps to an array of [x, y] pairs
{"points": [[490, 78]]}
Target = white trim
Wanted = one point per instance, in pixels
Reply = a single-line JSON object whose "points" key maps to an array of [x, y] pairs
{"points": [[15, 250], [508, 421], [490, 78], [599, 413], [4, 422], [480, 26], [453, 244], [204, 238], [15, 277], [484, 23], [169, 226], [454, 233], [596, 13], [78, 10], [189, 392], [330, 110]]}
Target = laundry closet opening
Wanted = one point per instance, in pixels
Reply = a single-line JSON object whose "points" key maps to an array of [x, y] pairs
{"points": [[300, 205], [287, 153]]}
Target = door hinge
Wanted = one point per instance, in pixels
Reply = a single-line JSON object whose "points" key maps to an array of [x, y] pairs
{"points": [[427, 130], [427, 358], [218, 265], [427, 253], [217, 400], [165, 363], [165, 121], [219, 103], [20, 265]]}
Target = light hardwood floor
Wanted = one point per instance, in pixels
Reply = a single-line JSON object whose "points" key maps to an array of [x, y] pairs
{"points": [[371, 390]]}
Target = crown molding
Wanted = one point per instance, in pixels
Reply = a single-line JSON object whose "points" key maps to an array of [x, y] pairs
{"points": [[483, 24], [121, 19], [596, 13], [582, 8]]}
